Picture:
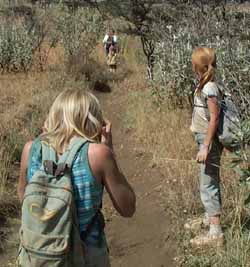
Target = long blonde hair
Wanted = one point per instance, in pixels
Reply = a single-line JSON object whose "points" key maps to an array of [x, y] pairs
{"points": [[74, 113], [204, 64]]}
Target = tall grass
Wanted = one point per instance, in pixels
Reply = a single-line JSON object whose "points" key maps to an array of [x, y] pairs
{"points": [[25, 104], [5, 164]]}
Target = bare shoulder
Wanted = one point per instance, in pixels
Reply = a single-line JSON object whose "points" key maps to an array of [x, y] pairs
{"points": [[25, 155], [26, 150], [99, 151], [27, 146], [98, 155]]}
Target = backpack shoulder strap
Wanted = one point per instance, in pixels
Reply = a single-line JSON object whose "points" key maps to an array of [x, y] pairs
{"points": [[48, 152], [68, 157], [57, 168], [48, 158]]}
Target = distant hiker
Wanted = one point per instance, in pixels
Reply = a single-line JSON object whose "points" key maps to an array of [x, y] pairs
{"points": [[62, 178], [207, 99], [110, 39], [112, 59]]}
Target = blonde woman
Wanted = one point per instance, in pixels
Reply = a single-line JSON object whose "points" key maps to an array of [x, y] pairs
{"points": [[77, 113], [205, 120]]}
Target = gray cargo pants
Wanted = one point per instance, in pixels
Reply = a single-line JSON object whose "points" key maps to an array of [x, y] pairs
{"points": [[210, 177]]}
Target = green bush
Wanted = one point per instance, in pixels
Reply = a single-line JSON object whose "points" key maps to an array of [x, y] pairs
{"points": [[79, 32], [226, 32], [16, 47]]}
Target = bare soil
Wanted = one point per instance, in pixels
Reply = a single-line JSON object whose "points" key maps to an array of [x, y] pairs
{"points": [[147, 239]]}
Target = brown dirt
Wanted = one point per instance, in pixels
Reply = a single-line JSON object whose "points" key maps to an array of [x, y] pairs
{"points": [[145, 239]]}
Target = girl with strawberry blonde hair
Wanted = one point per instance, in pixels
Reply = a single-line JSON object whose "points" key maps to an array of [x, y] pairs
{"points": [[205, 118]]}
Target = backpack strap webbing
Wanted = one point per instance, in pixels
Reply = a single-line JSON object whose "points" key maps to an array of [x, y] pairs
{"points": [[68, 157], [48, 152], [50, 164], [66, 160], [48, 158]]}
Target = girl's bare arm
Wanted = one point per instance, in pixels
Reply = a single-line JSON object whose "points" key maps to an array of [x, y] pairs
{"points": [[214, 111], [23, 170], [104, 166], [120, 191]]}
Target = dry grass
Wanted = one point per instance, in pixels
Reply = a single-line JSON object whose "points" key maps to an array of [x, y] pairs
{"points": [[25, 101], [165, 133], [26, 98], [5, 164]]}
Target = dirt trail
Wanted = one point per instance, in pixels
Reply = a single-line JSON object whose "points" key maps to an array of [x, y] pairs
{"points": [[144, 240]]}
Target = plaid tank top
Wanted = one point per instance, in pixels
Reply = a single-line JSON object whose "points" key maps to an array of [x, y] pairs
{"points": [[88, 192]]}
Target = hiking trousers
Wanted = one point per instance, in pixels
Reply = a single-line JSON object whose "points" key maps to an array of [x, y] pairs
{"points": [[210, 177], [97, 257]]}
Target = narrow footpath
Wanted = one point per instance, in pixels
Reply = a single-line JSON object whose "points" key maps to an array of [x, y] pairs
{"points": [[144, 240]]}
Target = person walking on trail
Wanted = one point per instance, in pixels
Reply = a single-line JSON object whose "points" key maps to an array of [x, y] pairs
{"points": [[205, 119], [110, 39], [79, 141], [112, 59]]}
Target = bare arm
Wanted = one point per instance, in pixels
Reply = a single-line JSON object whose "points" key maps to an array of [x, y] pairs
{"points": [[104, 167], [214, 120], [23, 170], [214, 112], [120, 191], [106, 170]]}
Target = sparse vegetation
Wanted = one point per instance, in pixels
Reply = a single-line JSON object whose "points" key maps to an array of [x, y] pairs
{"points": [[158, 112], [172, 94]]}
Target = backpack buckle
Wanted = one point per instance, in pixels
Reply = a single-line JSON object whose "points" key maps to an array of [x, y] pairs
{"points": [[60, 170], [57, 170], [49, 167]]}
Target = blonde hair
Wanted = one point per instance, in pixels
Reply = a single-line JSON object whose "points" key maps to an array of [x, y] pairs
{"points": [[204, 62], [73, 113]]}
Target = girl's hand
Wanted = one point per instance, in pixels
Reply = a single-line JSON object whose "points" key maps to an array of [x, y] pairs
{"points": [[107, 134], [202, 154]]}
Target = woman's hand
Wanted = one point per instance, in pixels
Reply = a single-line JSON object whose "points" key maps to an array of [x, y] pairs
{"points": [[202, 154], [107, 135]]}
